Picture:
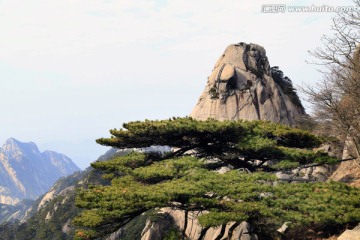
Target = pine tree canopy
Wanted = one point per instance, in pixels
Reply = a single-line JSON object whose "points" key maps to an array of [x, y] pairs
{"points": [[185, 178], [240, 143]]}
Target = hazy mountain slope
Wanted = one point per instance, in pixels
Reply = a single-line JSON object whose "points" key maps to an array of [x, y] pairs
{"points": [[51, 214], [26, 173]]}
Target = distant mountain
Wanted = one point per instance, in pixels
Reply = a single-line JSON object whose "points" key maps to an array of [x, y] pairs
{"points": [[51, 215], [26, 173]]}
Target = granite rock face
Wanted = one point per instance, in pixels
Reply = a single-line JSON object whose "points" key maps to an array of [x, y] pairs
{"points": [[188, 224], [348, 171], [353, 234], [241, 87]]}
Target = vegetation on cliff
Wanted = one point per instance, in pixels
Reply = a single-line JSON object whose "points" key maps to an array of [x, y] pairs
{"points": [[186, 178]]}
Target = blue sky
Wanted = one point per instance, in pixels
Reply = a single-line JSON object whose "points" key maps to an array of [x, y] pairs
{"points": [[72, 70]]}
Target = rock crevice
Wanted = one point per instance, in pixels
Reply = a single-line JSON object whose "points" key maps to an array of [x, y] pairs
{"points": [[187, 223]]}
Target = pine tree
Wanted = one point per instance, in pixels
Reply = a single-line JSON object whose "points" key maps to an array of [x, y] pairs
{"points": [[185, 178]]}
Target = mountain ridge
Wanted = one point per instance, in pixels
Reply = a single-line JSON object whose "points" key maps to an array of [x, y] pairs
{"points": [[26, 172]]}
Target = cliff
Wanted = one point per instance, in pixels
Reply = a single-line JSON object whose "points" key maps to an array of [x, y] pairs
{"points": [[243, 86]]}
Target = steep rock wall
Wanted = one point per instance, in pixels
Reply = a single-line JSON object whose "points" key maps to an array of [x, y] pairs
{"points": [[241, 87]]}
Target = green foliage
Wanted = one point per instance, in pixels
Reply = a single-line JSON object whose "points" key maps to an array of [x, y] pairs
{"points": [[84, 234], [167, 169], [48, 222], [218, 217], [173, 234], [121, 164], [233, 196], [239, 143], [213, 93], [61, 209], [287, 87], [285, 164], [141, 182], [133, 229], [303, 156], [89, 219]]}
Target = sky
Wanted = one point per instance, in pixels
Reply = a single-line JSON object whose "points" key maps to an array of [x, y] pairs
{"points": [[70, 70]]}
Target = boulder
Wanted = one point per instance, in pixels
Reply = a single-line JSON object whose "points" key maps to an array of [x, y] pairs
{"points": [[189, 225], [228, 230], [177, 217], [243, 232], [284, 227], [348, 171], [225, 169], [213, 233], [116, 235], [155, 230], [241, 87], [353, 234], [193, 229]]}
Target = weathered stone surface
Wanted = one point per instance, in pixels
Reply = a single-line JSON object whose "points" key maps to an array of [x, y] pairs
{"points": [[116, 235], [213, 233], [243, 232], [168, 218], [241, 87], [227, 73], [67, 227], [177, 217], [284, 228], [283, 176], [227, 232], [319, 173], [348, 171], [155, 230], [353, 234], [225, 169], [193, 228]]}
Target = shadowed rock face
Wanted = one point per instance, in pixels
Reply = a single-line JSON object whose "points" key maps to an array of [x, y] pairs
{"points": [[188, 224], [241, 87], [348, 171]]}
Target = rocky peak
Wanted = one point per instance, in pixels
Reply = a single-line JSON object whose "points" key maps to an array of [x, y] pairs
{"points": [[15, 149], [26, 173], [241, 87]]}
